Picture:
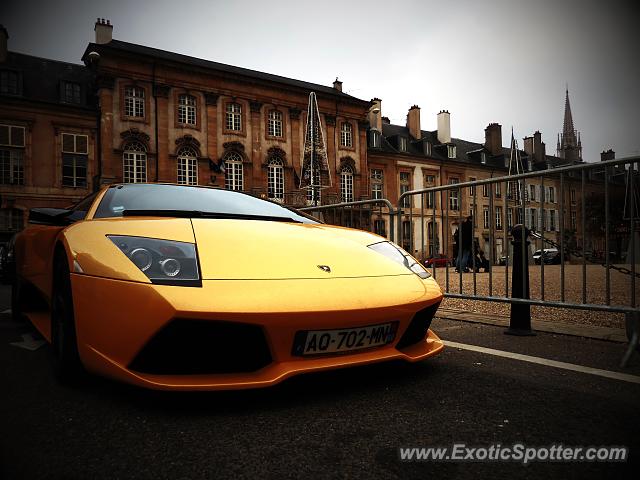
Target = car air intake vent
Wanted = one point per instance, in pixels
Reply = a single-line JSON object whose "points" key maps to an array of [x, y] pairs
{"points": [[417, 329], [190, 347]]}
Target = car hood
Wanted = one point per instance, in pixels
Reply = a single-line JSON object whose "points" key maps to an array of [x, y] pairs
{"points": [[256, 249]]}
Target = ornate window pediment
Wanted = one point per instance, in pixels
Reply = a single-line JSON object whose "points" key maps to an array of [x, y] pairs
{"points": [[347, 162], [135, 135], [188, 142]]}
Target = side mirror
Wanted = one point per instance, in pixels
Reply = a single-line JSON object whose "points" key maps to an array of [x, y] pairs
{"points": [[55, 217]]}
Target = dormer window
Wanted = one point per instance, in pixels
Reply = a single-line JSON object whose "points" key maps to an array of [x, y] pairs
{"points": [[9, 82], [71, 93], [483, 158], [427, 148], [375, 139], [402, 144], [451, 151]]}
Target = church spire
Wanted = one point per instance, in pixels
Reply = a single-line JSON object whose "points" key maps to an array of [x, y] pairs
{"points": [[569, 145]]}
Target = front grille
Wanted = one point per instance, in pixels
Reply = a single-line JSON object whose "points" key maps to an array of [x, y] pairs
{"points": [[190, 347], [417, 329]]}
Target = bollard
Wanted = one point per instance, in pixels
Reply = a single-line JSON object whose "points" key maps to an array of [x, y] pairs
{"points": [[520, 321]]}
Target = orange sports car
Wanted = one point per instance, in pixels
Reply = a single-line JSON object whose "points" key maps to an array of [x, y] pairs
{"points": [[194, 288]]}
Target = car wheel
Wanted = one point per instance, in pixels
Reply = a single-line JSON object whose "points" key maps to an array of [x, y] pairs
{"points": [[67, 365]]}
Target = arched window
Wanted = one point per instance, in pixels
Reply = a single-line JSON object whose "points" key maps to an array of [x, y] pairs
{"points": [[346, 184], [134, 163], [275, 179], [233, 178], [187, 166], [187, 109], [346, 135]]}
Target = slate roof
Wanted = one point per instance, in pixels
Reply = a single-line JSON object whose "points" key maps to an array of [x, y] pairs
{"points": [[467, 152], [144, 51], [41, 78]]}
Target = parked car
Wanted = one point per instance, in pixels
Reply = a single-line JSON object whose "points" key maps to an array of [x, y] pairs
{"points": [[131, 284], [439, 260], [549, 256]]}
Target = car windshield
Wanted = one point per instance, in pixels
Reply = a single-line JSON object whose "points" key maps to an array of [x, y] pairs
{"points": [[183, 200]]}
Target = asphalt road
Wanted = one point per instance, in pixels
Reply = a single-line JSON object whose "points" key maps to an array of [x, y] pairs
{"points": [[341, 424]]}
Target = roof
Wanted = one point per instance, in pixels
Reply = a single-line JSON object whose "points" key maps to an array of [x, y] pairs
{"points": [[141, 50], [467, 152], [40, 79]]}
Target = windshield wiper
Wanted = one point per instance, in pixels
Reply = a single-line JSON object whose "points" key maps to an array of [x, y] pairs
{"points": [[201, 214]]}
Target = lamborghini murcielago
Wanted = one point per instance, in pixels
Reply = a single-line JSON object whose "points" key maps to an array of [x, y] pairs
{"points": [[196, 288]]}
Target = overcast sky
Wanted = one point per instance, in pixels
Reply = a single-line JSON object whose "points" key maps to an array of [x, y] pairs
{"points": [[505, 61]]}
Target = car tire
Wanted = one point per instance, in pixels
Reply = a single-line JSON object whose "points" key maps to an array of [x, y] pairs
{"points": [[67, 365]]}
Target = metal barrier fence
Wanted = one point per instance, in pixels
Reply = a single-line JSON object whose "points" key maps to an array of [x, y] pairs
{"points": [[358, 215], [580, 215]]}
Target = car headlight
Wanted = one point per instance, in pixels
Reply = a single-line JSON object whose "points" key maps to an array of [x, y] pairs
{"points": [[399, 255], [164, 262]]}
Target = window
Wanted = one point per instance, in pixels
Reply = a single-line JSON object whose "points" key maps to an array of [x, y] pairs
{"points": [[11, 219], [487, 220], [134, 163], [451, 151], [75, 150], [346, 184], [11, 155], [233, 178], [234, 117], [430, 181], [406, 235], [427, 148], [274, 124], [509, 218], [346, 135], [402, 144], [187, 109], [454, 195], [377, 184], [71, 93], [574, 220], [187, 166], [375, 139], [552, 220], [275, 179], [483, 158], [514, 191], [9, 83], [498, 218], [519, 215], [573, 196], [379, 227], [405, 186], [533, 219], [552, 195], [472, 188], [134, 102], [532, 194], [485, 190], [498, 190]]}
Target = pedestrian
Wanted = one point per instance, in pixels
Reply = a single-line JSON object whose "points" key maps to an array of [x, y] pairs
{"points": [[467, 244]]}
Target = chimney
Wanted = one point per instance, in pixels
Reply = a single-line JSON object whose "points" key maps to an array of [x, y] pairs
{"points": [[413, 122], [528, 146], [493, 138], [375, 114], [4, 36], [444, 126], [608, 155], [539, 148], [104, 31], [337, 85]]}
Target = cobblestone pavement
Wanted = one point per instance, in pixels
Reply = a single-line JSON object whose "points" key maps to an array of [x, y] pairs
{"points": [[620, 288]]}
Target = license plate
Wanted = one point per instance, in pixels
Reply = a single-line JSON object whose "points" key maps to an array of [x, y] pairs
{"points": [[315, 342]]}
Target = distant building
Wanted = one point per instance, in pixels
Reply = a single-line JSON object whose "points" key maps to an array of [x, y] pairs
{"points": [[569, 145]]}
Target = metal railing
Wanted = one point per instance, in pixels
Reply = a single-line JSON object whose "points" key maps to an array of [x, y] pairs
{"points": [[357, 214]]}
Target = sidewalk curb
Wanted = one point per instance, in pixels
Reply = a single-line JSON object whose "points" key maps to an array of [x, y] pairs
{"points": [[608, 334]]}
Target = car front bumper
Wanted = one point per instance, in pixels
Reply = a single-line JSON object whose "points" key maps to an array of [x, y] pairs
{"points": [[116, 320]]}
